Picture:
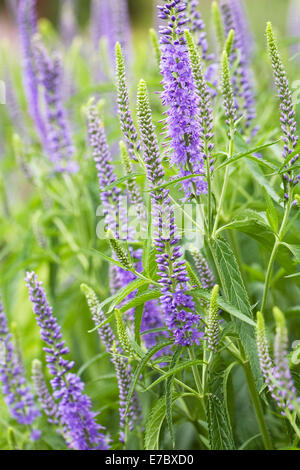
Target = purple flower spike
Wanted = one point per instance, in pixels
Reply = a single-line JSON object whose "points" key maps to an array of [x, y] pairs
{"points": [[181, 98], [287, 115], [277, 376], [45, 398], [68, 23], [18, 397], [234, 18], [125, 115], [286, 391], [78, 421], [59, 142], [116, 220], [27, 23], [179, 308], [206, 276], [122, 368], [197, 28], [110, 198], [110, 20]]}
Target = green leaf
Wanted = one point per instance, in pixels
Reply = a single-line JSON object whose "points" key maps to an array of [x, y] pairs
{"points": [[175, 181], [226, 398], [154, 423], [249, 155], [90, 362], [138, 314], [235, 293], [107, 258], [141, 366], [174, 371], [169, 392], [220, 433], [271, 213], [120, 181], [249, 441], [254, 225], [115, 299], [141, 299], [261, 179], [148, 242], [224, 305]]}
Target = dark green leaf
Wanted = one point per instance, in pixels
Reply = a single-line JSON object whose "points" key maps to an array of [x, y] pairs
{"points": [[235, 293], [220, 433], [141, 366]]}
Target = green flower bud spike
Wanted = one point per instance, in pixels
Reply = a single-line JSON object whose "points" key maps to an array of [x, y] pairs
{"points": [[119, 251], [122, 333], [213, 322], [127, 125], [134, 193], [12, 443], [155, 44], [228, 99], [218, 23], [229, 42]]}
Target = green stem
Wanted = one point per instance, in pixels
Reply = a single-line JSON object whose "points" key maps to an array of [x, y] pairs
{"points": [[237, 254], [276, 246], [250, 379], [209, 193], [292, 422], [257, 405], [196, 372], [225, 184]]}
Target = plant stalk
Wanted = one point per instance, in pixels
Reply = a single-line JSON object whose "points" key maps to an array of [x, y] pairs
{"points": [[276, 246], [257, 405]]}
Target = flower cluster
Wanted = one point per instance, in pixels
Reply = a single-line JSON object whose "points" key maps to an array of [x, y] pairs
{"points": [[287, 117], [205, 113], [134, 194], [180, 98], [18, 396], [27, 23], [228, 96], [45, 398], [277, 375], [213, 321], [206, 276], [286, 389], [68, 22], [59, 142], [122, 367], [110, 20], [74, 413], [197, 27], [179, 308], [116, 220], [234, 18], [126, 121], [106, 176]]}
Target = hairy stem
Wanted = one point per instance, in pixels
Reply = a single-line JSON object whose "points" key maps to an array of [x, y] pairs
{"points": [[257, 405], [276, 246], [225, 184]]}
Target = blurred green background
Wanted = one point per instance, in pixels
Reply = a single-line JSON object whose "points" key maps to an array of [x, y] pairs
{"points": [[69, 304], [142, 12]]}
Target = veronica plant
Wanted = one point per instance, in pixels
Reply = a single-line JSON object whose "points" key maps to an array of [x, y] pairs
{"points": [[277, 373], [289, 154], [16, 391], [73, 412], [180, 222]]}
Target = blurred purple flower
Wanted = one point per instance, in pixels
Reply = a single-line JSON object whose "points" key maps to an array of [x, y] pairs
{"points": [[74, 412], [17, 394]]}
